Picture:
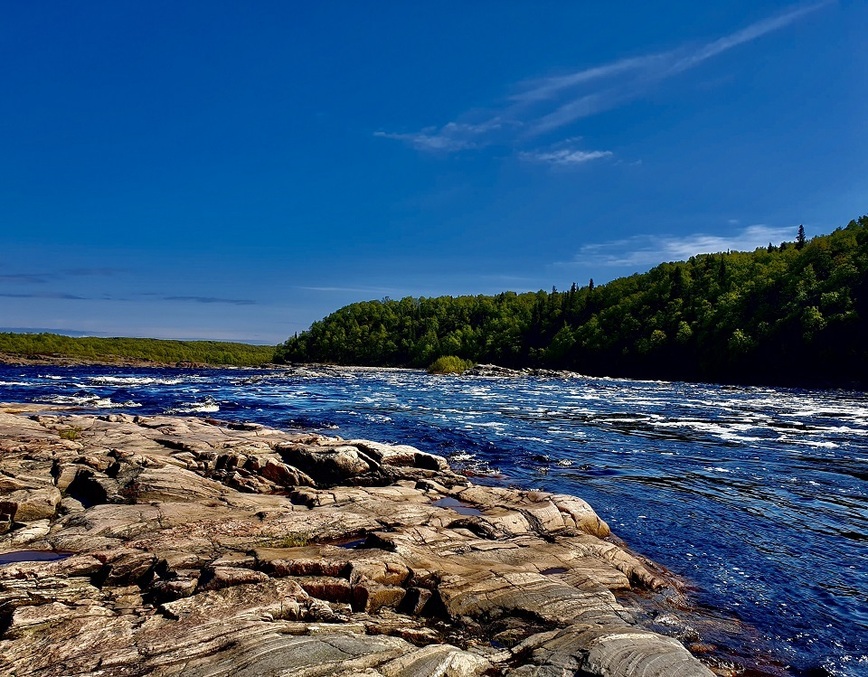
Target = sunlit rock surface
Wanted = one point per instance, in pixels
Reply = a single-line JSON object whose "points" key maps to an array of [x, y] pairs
{"points": [[201, 548]]}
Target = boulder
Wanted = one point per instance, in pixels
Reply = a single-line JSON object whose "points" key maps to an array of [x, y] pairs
{"points": [[30, 505]]}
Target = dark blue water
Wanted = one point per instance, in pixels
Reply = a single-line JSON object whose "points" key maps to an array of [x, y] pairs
{"points": [[757, 496]]}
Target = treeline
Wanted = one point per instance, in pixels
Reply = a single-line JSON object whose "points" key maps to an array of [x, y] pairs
{"points": [[795, 313], [36, 346]]}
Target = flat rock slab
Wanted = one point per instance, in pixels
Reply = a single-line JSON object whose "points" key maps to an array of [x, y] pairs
{"points": [[195, 547]]}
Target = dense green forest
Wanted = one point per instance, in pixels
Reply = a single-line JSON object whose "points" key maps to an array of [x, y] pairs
{"points": [[795, 313], [150, 350]]}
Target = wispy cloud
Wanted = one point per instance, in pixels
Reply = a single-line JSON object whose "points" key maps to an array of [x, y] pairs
{"points": [[564, 157], [65, 296], [46, 295], [45, 277], [546, 105], [24, 278], [451, 137], [649, 250], [595, 90], [211, 299], [93, 272]]}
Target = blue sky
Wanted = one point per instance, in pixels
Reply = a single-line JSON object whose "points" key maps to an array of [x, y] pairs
{"points": [[238, 170]]}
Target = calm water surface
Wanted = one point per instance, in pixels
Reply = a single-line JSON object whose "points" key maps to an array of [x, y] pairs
{"points": [[757, 496]]}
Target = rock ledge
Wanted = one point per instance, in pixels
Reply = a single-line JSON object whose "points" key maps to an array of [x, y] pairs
{"points": [[203, 548]]}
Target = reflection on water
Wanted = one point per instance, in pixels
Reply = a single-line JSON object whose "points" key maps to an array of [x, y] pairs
{"points": [[756, 495]]}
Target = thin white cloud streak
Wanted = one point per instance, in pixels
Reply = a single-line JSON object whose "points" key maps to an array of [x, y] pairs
{"points": [[430, 141], [648, 250], [752, 32], [547, 88], [547, 104], [564, 157], [638, 75], [451, 137]]}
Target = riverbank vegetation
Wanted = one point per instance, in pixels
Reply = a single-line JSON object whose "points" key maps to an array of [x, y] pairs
{"points": [[794, 313], [449, 364], [92, 349]]}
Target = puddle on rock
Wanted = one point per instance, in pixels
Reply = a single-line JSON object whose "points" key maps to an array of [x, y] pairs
{"points": [[551, 571], [32, 556], [460, 507]]}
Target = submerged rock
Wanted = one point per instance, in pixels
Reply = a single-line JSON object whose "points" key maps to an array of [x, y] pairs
{"points": [[198, 548]]}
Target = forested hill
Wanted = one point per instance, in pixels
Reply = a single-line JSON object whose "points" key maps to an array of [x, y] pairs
{"points": [[796, 313]]}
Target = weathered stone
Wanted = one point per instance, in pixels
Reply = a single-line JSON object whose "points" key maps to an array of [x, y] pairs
{"points": [[370, 596], [224, 577], [441, 659], [284, 475], [124, 566], [327, 588], [192, 560], [400, 455], [328, 465], [30, 505]]}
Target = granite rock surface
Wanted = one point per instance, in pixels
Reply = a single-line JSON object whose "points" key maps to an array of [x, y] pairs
{"points": [[195, 547]]}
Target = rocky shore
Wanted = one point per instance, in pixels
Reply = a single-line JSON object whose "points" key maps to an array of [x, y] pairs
{"points": [[494, 370], [194, 547]]}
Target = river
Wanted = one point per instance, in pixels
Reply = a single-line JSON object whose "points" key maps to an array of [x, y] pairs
{"points": [[757, 497]]}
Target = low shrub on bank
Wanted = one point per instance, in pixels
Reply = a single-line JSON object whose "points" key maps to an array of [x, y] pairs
{"points": [[449, 364]]}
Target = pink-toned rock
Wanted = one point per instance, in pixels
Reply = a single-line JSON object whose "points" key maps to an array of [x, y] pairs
{"points": [[29, 505], [210, 549]]}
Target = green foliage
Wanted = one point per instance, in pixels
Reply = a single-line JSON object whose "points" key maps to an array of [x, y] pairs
{"points": [[147, 350], [794, 314], [294, 539], [449, 364], [72, 433]]}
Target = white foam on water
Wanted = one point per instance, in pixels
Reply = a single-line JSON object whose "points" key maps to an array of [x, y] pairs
{"points": [[816, 444], [89, 401], [377, 418], [844, 430], [540, 440], [206, 406], [135, 380], [729, 432], [732, 437], [107, 403]]}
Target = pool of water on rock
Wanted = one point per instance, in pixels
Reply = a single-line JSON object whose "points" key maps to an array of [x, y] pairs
{"points": [[758, 497], [31, 556]]}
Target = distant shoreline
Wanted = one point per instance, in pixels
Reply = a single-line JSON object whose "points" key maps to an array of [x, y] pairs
{"points": [[14, 360]]}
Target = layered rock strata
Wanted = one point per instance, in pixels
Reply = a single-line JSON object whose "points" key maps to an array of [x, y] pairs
{"points": [[203, 548]]}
